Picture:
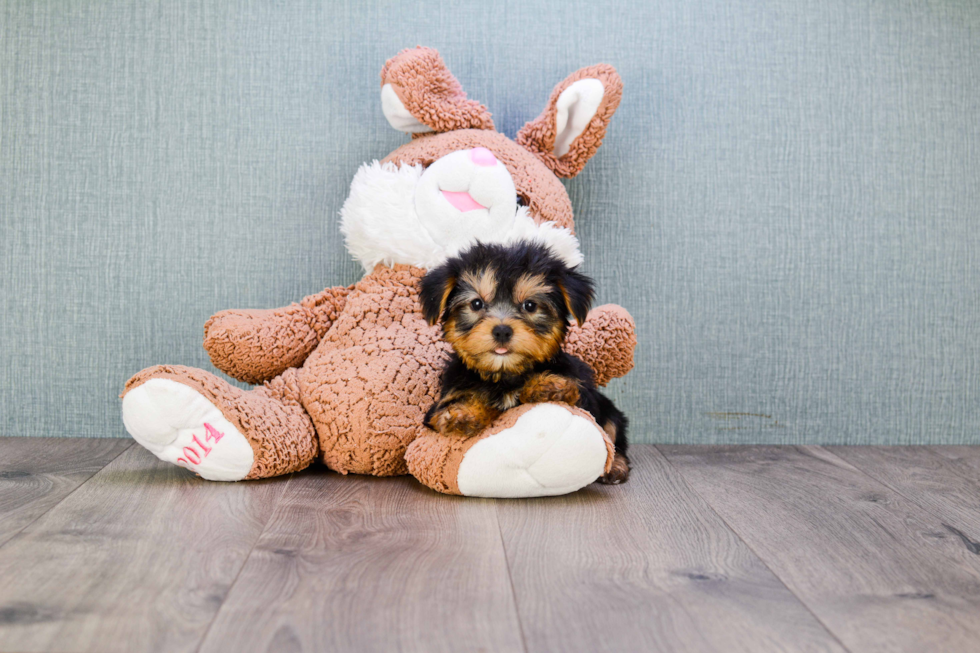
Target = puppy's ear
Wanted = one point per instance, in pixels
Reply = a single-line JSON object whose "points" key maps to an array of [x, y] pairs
{"points": [[577, 289], [436, 287]]}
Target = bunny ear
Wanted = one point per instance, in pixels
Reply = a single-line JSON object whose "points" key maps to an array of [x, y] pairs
{"points": [[419, 95], [570, 129]]}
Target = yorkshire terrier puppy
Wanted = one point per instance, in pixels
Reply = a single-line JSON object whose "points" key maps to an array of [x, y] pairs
{"points": [[505, 310]]}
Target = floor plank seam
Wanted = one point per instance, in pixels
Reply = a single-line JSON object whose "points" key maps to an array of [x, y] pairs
{"points": [[762, 560], [942, 520], [231, 586], [510, 577], [953, 469], [62, 500]]}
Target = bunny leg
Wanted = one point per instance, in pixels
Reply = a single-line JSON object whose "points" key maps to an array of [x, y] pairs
{"points": [[530, 451], [196, 420]]}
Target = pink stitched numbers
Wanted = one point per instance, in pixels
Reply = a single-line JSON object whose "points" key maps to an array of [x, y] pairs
{"points": [[191, 455]]}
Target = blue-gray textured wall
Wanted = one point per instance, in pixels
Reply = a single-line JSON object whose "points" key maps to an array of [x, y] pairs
{"points": [[787, 200]]}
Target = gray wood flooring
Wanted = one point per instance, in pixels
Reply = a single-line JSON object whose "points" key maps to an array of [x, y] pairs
{"points": [[104, 548]]}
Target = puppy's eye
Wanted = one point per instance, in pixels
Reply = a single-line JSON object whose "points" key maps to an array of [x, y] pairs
{"points": [[529, 306], [477, 304]]}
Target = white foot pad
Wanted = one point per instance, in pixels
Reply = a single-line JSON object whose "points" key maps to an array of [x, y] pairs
{"points": [[549, 451], [178, 425]]}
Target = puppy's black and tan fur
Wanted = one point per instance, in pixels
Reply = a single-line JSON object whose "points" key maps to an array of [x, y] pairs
{"points": [[505, 310]]}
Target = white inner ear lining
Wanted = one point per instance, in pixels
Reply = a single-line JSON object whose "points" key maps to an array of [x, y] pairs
{"points": [[398, 116], [575, 108]]}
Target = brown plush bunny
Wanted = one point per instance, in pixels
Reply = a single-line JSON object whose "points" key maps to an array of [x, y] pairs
{"points": [[348, 373]]}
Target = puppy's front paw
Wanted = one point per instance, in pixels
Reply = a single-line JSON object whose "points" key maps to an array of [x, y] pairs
{"points": [[465, 419], [550, 387], [619, 473]]}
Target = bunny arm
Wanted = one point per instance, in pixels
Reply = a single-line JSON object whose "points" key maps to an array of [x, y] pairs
{"points": [[257, 345], [605, 341]]}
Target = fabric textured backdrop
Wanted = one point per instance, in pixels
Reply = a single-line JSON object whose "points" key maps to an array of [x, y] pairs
{"points": [[786, 201]]}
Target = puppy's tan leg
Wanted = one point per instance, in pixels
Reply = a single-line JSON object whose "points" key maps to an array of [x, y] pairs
{"points": [[620, 470], [550, 387], [619, 473], [464, 415]]}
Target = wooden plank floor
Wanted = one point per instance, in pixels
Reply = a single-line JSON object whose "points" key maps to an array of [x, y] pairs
{"points": [[879, 571], [32, 481], [103, 548]]}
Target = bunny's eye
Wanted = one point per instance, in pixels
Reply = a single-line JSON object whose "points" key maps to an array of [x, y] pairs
{"points": [[477, 304]]}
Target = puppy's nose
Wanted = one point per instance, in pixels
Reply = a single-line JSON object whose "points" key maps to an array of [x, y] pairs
{"points": [[502, 333], [481, 156]]}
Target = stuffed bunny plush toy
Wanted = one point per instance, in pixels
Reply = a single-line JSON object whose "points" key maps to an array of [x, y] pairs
{"points": [[347, 374]]}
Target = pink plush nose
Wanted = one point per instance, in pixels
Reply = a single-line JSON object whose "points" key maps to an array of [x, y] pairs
{"points": [[481, 156]]}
